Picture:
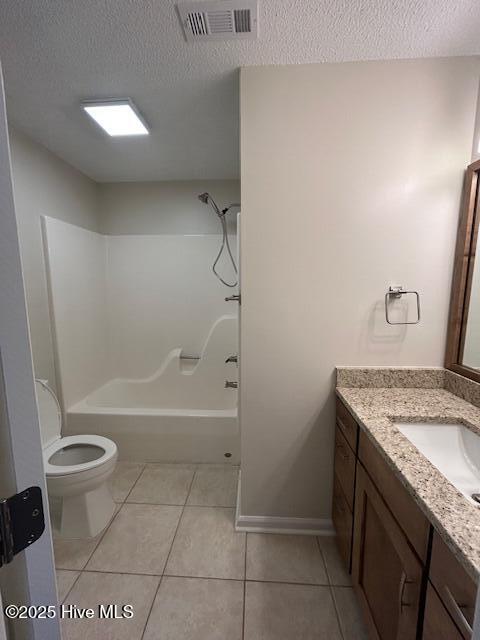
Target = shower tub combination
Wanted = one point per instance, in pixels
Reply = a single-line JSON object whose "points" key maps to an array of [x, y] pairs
{"points": [[182, 413]]}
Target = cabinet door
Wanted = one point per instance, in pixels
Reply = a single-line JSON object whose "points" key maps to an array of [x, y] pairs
{"points": [[386, 573], [437, 624], [342, 520], [400, 503]]}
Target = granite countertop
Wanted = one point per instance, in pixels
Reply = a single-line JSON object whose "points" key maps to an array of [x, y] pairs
{"points": [[453, 516]]}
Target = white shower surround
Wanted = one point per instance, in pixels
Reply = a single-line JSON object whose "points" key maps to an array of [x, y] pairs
{"points": [[181, 413], [161, 294], [178, 383], [125, 308]]}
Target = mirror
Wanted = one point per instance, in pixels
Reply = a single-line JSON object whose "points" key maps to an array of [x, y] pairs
{"points": [[471, 349], [463, 343]]}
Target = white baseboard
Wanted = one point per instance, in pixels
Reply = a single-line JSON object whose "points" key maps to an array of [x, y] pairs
{"points": [[278, 524]]}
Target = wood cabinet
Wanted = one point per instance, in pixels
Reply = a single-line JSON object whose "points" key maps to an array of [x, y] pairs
{"points": [[409, 584], [345, 458], [385, 570]]}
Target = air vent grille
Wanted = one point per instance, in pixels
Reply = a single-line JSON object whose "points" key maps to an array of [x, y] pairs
{"points": [[196, 22], [242, 20], [219, 20]]}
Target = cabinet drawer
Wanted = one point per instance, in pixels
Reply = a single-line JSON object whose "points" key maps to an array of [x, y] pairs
{"points": [[347, 424], [402, 505], [343, 521], [454, 586], [437, 624], [344, 466]]}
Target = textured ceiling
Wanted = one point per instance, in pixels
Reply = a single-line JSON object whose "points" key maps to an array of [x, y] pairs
{"points": [[58, 52]]}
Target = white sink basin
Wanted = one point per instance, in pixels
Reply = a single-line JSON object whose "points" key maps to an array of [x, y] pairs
{"points": [[452, 448]]}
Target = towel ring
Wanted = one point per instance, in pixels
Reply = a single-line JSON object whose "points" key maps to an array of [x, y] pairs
{"points": [[398, 292]]}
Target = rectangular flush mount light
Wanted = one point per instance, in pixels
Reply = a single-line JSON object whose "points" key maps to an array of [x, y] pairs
{"points": [[116, 117]]}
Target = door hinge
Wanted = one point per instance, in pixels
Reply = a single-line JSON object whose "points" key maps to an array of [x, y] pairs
{"points": [[22, 522]]}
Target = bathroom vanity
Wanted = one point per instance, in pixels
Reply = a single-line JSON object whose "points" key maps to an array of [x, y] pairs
{"points": [[409, 539], [406, 498]]}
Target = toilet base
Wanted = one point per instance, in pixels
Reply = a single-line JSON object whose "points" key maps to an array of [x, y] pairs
{"points": [[86, 515]]}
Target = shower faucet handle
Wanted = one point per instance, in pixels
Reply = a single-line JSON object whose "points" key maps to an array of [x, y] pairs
{"points": [[231, 359], [235, 298], [231, 385]]}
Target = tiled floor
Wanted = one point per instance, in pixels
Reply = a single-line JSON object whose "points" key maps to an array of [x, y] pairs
{"points": [[172, 552]]}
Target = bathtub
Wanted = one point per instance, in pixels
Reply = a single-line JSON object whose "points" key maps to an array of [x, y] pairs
{"points": [[181, 413]]}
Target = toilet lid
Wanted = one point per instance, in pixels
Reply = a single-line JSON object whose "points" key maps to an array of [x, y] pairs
{"points": [[48, 413]]}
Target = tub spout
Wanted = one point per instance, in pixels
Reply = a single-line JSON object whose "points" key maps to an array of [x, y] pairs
{"points": [[231, 385]]}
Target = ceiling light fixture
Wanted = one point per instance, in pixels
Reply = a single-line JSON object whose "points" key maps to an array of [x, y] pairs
{"points": [[116, 117]]}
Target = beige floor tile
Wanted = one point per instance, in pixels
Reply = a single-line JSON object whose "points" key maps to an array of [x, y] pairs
{"points": [[73, 554], [214, 486], [163, 484], [138, 540], [284, 558], [207, 545], [65, 580], [123, 479], [93, 589], [276, 611], [196, 609], [351, 621], [336, 571]]}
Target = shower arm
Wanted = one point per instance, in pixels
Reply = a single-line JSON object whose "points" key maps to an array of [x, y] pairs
{"points": [[234, 205]]}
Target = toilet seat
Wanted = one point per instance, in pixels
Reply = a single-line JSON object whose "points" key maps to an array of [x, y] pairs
{"points": [[51, 470], [80, 482]]}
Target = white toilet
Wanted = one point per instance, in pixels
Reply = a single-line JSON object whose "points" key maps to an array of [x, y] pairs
{"points": [[77, 469]]}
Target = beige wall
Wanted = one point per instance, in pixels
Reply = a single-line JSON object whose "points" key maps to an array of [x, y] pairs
{"points": [[45, 185], [351, 182], [149, 208]]}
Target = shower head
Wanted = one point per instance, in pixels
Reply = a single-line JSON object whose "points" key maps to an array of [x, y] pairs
{"points": [[206, 198]]}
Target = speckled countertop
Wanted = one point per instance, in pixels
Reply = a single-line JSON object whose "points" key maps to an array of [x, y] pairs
{"points": [[453, 516]]}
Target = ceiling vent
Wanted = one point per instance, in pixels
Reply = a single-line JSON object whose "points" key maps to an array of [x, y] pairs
{"points": [[223, 20]]}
